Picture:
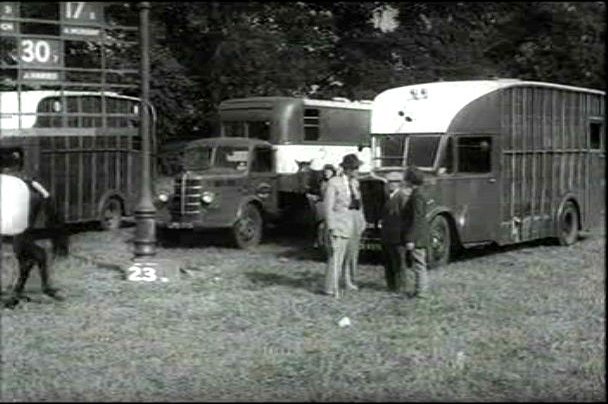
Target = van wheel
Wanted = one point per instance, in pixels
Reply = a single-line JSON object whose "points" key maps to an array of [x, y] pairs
{"points": [[440, 242], [568, 225], [111, 215], [247, 231]]}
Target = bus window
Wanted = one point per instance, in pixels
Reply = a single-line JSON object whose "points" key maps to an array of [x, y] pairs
{"points": [[49, 110], [259, 130], [421, 151], [72, 108], [474, 154], [311, 124], [262, 160], [90, 105], [234, 129], [595, 135]]}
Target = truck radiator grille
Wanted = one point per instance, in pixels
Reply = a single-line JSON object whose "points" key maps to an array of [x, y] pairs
{"points": [[186, 197]]}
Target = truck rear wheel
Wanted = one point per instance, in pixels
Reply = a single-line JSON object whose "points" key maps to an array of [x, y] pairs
{"points": [[440, 242], [568, 225], [247, 231]]}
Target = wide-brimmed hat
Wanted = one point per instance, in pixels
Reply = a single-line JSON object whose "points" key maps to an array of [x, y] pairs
{"points": [[413, 176], [351, 161]]}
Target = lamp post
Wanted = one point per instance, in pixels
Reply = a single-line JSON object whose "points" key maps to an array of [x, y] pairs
{"points": [[145, 225]]}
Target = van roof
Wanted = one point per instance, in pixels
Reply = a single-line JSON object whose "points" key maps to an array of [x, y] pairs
{"points": [[431, 107]]}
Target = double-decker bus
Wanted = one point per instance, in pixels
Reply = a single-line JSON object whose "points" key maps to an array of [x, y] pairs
{"points": [[263, 163], [505, 160], [83, 147]]}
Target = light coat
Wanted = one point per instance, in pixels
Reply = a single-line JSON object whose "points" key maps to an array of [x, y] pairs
{"points": [[342, 221]]}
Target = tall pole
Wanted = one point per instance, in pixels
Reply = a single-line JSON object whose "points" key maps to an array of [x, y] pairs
{"points": [[145, 225]]}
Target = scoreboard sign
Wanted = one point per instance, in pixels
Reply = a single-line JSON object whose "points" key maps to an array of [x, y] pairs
{"points": [[81, 20], [42, 55], [8, 10]]}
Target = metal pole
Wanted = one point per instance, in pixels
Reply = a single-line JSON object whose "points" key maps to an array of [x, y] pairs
{"points": [[145, 225]]}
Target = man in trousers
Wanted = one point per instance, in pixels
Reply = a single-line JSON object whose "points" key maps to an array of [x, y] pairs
{"points": [[345, 223], [404, 225], [392, 232]]}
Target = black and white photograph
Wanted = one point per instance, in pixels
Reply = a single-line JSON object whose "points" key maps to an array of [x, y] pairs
{"points": [[302, 201]]}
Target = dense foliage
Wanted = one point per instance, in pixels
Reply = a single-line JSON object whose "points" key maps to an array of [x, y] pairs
{"points": [[205, 52]]}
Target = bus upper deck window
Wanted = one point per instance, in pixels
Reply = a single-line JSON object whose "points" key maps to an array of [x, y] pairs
{"points": [[595, 137], [311, 124], [474, 154]]}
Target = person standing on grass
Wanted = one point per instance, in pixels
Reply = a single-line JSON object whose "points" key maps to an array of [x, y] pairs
{"points": [[392, 233], [405, 232], [327, 172], [345, 223]]}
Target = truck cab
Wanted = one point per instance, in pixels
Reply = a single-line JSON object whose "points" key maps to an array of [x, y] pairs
{"points": [[225, 183]]}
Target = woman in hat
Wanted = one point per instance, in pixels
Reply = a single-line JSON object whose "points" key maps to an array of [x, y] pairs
{"points": [[327, 172], [345, 223]]}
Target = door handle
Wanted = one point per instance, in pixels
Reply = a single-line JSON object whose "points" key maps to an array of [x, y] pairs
{"points": [[492, 180]]}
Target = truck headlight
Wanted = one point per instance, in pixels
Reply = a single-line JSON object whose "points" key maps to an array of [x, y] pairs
{"points": [[163, 197], [207, 197]]}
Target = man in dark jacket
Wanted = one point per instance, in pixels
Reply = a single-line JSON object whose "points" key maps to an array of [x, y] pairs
{"points": [[405, 233]]}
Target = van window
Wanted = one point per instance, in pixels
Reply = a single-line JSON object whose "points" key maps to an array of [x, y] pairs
{"points": [[262, 160], [474, 154], [595, 135], [259, 130], [311, 124], [447, 161]]}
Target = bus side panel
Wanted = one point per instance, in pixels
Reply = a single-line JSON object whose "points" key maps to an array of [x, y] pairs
{"points": [[88, 193], [596, 161], [544, 159]]}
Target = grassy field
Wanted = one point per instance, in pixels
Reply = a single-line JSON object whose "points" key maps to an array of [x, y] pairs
{"points": [[512, 324]]}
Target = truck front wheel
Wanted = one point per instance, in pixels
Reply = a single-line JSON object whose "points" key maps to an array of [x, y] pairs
{"points": [[247, 231], [441, 242]]}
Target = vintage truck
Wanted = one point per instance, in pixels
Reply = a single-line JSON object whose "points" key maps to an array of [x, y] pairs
{"points": [[262, 166], [505, 161]]}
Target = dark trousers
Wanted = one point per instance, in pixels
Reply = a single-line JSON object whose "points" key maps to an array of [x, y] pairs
{"points": [[395, 264]]}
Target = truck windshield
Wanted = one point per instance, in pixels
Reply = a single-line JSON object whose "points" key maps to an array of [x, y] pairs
{"points": [[222, 157], [422, 150], [390, 150]]}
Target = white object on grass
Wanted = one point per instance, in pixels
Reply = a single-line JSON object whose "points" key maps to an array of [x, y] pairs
{"points": [[14, 206]]}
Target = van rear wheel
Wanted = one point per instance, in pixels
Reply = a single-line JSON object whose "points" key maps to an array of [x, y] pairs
{"points": [[247, 231], [568, 225], [440, 242]]}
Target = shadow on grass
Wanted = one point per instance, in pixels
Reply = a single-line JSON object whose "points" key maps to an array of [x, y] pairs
{"points": [[494, 249], [309, 281]]}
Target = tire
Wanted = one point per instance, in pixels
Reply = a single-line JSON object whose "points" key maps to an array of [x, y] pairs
{"points": [[111, 215], [440, 246], [247, 231], [567, 225]]}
